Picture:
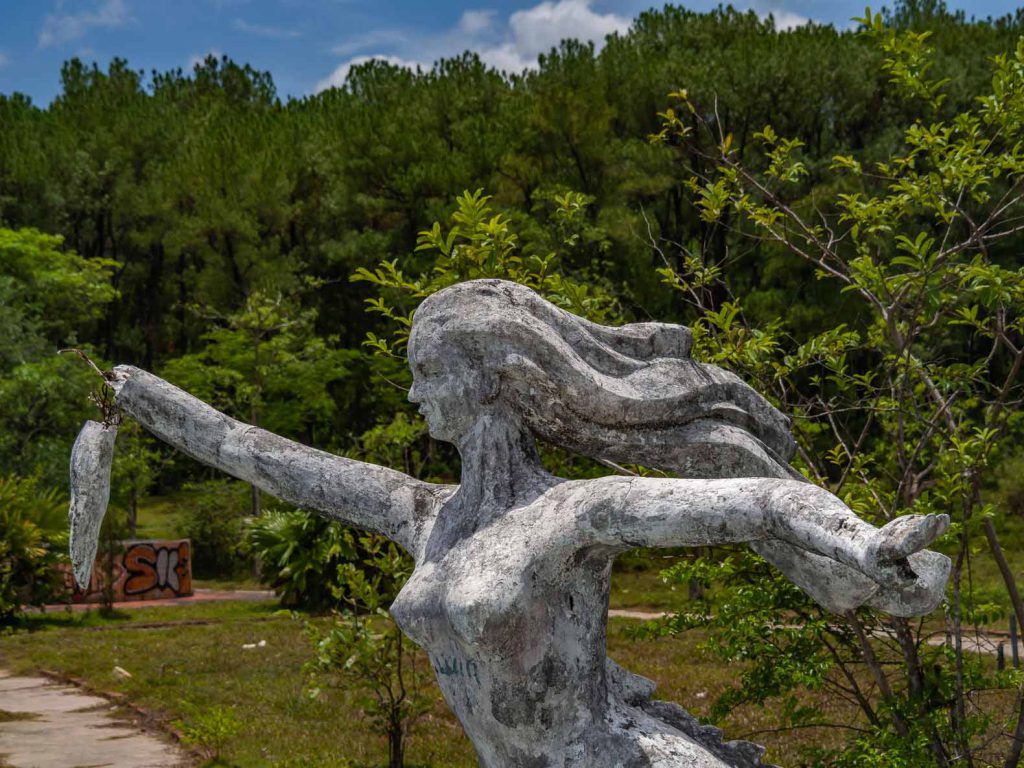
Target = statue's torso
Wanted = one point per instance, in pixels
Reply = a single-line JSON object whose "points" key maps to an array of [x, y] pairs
{"points": [[514, 626], [513, 619]]}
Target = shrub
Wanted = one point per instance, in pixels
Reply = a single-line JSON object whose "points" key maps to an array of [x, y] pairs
{"points": [[209, 729], [215, 526], [1011, 485], [365, 649], [32, 542], [303, 554], [299, 552]]}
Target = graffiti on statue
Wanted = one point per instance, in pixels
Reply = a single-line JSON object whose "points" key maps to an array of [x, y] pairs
{"points": [[453, 666]]}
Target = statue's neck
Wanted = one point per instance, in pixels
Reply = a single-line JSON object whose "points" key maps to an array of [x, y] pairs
{"points": [[501, 470], [500, 465]]}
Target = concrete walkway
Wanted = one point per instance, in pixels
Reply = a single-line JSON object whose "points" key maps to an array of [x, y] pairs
{"points": [[58, 726]]}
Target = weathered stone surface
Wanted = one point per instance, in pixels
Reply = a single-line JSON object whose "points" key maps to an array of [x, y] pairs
{"points": [[91, 459], [510, 592]]}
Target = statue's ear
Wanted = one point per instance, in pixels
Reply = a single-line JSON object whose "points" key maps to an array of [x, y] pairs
{"points": [[493, 376], [490, 385]]}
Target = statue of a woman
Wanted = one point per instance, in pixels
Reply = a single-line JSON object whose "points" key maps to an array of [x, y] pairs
{"points": [[509, 596]]}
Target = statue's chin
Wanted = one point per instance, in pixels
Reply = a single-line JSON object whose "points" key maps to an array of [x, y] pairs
{"points": [[439, 433]]}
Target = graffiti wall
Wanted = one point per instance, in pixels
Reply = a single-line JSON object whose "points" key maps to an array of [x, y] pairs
{"points": [[140, 570]]}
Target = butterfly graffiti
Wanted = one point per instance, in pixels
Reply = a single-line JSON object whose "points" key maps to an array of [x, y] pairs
{"points": [[156, 568]]}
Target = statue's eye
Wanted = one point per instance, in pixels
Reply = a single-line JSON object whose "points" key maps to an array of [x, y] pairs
{"points": [[427, 371]]}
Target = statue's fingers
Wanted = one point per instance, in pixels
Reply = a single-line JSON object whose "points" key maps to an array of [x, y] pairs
{"points": [[924, 595]]}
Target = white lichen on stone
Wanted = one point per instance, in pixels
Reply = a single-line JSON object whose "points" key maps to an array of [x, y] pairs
{"points": [[91, 458]]}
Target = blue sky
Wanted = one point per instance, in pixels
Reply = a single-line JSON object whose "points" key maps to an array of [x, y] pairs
{"points": [[308, 45]]}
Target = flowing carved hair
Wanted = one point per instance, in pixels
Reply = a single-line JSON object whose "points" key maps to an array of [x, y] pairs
{"points": [[630, 394]]}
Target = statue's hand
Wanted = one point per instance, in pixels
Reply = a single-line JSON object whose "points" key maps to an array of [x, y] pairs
{"points": [[924, 595], [886, 555], [91, 459]]}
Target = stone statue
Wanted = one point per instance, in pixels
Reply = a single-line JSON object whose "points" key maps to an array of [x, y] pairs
{"points": [[509, 596]]}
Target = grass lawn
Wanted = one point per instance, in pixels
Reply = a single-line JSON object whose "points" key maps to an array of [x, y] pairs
{"points": [[161, 517], [188, 668], [187, 664]]}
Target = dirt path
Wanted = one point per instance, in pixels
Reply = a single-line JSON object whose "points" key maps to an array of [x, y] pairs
{"points": [[44, 724], [979, 642], [198, 596], [629, 613]]}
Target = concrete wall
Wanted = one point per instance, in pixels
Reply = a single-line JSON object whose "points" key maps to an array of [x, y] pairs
{"points": [[142, 570]]}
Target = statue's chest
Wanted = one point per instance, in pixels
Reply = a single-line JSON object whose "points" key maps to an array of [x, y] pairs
{"points": [[479, 590]]}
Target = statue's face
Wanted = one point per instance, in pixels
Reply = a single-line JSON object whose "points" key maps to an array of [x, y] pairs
{"points": [[447, 388]]}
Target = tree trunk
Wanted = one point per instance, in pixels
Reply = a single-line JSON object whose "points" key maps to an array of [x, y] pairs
{"points": [[915, 678], [1013, 756], [133, 510], [875, 668], [396, 757]]}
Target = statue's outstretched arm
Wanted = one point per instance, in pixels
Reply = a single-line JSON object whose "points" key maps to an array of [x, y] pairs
{"points": [[362, 495], [659, 512]]}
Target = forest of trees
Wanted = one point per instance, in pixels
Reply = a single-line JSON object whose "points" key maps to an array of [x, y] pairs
{"points": [[194, 224], [208, 196]]}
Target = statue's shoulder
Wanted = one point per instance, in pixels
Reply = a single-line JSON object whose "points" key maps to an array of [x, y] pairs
{"points": [[428, 500], [602, 496]]}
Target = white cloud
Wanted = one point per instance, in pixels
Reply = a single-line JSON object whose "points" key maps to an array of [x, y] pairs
{"points": [[377, 38], [264, 30], [197, 59], [61, 27], [475, 22], [3, 59], [785, 20], [507, 58], [537, 30], [510, 46], [337, 78]]}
